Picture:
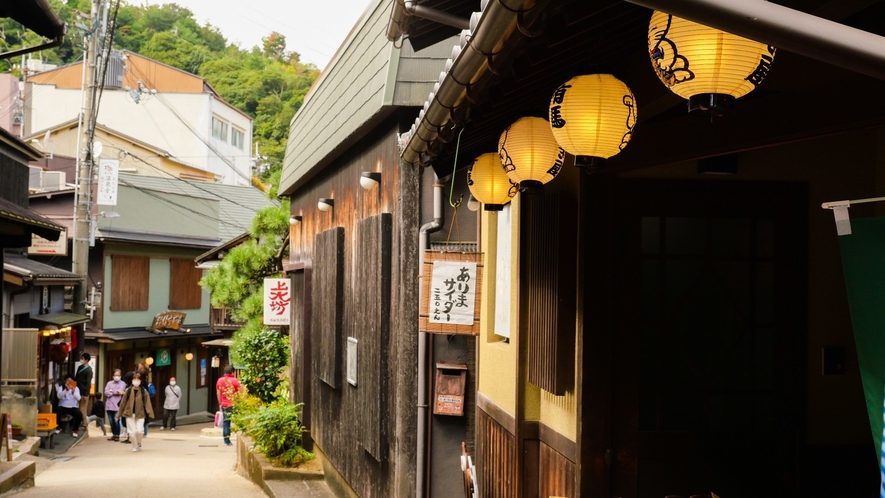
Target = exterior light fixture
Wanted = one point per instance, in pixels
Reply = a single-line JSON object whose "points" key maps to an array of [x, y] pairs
{"points": [[189, 356], [529, 153], [216, 362], [294, 220], [593, 116], [370, 179], [488, 182], [472, 203], [149, 361], [707, 66], [325, 204], [110, 214]]}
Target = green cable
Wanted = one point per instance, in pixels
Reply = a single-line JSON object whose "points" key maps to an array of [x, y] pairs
{"points": [[455, 168]]}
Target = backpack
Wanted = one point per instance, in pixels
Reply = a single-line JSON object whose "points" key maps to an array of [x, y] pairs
{"points": [[151, 389]]}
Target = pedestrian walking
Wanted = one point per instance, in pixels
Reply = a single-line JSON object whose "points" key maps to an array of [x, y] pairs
{"points": [[97, 415], [68, 403], [113, 392], [226, 389], [136, 408], [84, 382], [171, 405]]}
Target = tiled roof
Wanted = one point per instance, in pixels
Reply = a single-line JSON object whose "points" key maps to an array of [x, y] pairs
{"points": [[38, 224], [30, 269]]}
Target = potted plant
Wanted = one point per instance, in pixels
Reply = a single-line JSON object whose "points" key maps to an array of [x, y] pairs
{"points": [[16, 430]]}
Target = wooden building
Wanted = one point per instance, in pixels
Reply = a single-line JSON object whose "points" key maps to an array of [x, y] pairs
{"points": [[667, 312]]}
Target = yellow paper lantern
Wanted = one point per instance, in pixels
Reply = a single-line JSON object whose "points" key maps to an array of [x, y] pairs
{"points": [[593, 115], [489, 183], [529, 153], [707, 66]]}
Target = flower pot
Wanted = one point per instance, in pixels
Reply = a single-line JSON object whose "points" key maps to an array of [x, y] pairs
{"points": [[16, 431]]}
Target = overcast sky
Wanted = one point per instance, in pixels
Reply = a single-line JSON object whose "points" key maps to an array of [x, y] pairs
{"points": [[315, 29]]}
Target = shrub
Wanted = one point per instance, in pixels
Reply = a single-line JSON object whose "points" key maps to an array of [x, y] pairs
{"points": [[277, 431]]}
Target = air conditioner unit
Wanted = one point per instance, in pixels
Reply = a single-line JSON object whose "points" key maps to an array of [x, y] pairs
{"points": [[53, 180], [35, 177]]}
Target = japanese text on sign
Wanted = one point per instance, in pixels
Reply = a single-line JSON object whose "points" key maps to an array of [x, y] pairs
{"points": [[108, 170], [453, 292], [277, 301]]}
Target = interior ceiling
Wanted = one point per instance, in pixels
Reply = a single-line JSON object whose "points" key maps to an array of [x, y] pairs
{"points": [[799, 98]]}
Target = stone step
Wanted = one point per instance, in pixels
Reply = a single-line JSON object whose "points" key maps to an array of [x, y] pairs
{"points": [[16, 475]]}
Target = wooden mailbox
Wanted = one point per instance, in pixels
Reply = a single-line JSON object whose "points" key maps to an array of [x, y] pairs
{"points": [[451, 383]]}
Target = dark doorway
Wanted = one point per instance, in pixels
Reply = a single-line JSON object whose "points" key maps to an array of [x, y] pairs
{"points": [[708, 346]]}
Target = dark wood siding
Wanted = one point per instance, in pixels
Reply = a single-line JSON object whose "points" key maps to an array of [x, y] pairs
{"points": [[548, 283], [130, 282], [327, 308], [185, 292], [496, 458], [337, 416], [557, 473], [372, 330]]}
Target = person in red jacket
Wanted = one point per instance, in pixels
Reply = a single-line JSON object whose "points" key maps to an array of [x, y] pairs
{"points": [[226, 389]]}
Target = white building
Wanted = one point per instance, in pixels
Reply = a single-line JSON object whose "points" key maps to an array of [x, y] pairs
{"points": [[157, 104]]}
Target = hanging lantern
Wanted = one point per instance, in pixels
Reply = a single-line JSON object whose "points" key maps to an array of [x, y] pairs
{"points": [[707, 66], [489, 183], [593, 116], [529, 153]]}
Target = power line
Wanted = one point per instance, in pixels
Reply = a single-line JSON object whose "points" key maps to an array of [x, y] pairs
{"points": [[187, 209]]}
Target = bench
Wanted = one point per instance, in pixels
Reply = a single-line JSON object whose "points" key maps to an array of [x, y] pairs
{"points": [[47, 439], [65, 423]]}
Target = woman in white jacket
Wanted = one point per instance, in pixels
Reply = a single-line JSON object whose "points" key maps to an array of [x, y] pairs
{"points": [[171, 405]]}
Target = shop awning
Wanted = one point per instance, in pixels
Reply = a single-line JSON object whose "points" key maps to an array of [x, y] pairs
{"points": [[60, 319], [142, 334], [223, 343]]}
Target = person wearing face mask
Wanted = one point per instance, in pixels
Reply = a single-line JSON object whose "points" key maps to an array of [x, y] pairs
{"points": [[84, 381], [171, 405], [113, 393], [135, 407]]}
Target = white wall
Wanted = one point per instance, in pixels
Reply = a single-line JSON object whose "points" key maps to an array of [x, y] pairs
{"points": [[179, 123]]}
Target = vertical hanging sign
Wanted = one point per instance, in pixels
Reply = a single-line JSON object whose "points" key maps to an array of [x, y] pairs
{"points": [[277, 301], [108, 170], [452, 291]]}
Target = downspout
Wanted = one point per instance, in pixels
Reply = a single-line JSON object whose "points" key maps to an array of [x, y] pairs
{"points": [[424, 244], [785, 28]]}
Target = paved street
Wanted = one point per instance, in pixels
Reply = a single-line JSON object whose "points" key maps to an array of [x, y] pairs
{"points": [[176, 464]]}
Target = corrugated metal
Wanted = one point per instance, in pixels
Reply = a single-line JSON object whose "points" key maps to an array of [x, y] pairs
{"points": [[20, 356]]}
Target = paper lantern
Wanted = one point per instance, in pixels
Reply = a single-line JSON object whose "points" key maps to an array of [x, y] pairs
{"points": [[707, 66], [489, 183], [529, 153], [593, 115]]}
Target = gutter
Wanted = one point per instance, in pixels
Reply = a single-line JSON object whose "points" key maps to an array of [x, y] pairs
{"points": [[490, 30], [786, 29], [58, 39], [403, 9]]}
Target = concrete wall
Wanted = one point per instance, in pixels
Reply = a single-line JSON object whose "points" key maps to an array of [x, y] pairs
{"points": [[20, 402]]}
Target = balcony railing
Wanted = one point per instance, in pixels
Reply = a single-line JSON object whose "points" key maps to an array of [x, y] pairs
{"points": [[221, 319]]}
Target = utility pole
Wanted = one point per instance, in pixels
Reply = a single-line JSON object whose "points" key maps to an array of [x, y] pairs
{"points": [[83, 199]]}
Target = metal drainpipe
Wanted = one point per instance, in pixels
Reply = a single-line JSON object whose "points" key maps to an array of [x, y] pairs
{"points": [[423, 244]]}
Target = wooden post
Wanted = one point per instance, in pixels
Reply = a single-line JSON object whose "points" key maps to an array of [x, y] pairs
{"points": [[7, 421]]}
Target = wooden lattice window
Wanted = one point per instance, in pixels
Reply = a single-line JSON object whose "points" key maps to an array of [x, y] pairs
{"points": [[185, 292], [130, 282]]}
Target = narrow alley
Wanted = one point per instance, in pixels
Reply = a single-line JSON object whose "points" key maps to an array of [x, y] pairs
{"points": [[175, 464]]}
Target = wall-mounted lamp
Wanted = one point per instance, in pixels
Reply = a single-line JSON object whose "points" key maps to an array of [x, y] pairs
{"points": [[325, 204], [148, 361], [216, 362], [370, 179], [473, 204], [110, 214], [189, 356], [294, 220]]}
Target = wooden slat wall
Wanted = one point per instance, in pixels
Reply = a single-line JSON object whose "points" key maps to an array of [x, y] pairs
{"points": [[328, 280], [185, 292], [557, 474], [548, 283], [371, 327], [130, 282], [336, 414], [495, 458]]}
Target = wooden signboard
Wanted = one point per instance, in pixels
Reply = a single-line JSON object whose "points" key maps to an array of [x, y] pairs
{"points": [[452, 292]]}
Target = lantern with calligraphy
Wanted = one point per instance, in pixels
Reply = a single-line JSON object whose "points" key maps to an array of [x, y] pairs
{"points": [[593, 115], [489, 183], [529, 153], [707, 66]]}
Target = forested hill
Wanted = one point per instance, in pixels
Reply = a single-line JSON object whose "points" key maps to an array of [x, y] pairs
{"points": [[268, 82]]}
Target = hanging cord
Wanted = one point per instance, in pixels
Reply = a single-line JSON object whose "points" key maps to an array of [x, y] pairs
{"points": [[455, 205]]}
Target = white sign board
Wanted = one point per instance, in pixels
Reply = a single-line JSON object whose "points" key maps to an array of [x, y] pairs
{"points": [[39, 245], [277, 301], [453, 292], [108, 170], [351, 361]]}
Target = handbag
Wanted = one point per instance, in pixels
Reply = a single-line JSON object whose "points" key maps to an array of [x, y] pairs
{"points": [[219, 418]]}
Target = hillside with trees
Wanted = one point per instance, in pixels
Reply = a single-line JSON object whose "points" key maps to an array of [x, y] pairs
{"points": [[268, 83]]}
